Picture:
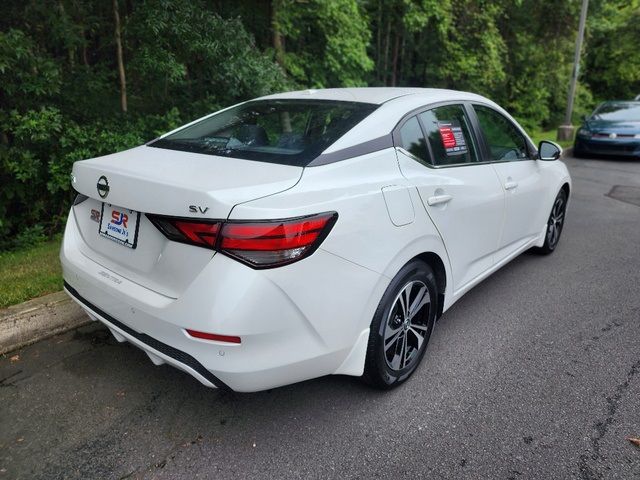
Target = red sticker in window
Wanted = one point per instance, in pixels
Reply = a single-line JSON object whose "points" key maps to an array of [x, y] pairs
{"points": [[448, 138], [452, 138]]}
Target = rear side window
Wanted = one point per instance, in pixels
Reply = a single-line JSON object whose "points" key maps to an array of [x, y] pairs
{"points": [[504, 140], [449, 134], [288, 132], [412, 140]]}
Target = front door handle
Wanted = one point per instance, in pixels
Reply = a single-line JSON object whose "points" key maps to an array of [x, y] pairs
{"points": [[438, 199], [510, 185]]}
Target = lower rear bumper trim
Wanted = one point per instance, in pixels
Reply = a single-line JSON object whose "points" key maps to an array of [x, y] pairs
{"points": [[168, 350]]}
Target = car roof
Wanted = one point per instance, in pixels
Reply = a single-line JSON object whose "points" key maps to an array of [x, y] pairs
{"points": [[372, 95]]}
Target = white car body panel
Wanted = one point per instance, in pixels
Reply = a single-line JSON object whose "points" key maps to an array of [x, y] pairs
{"points": [[311, 317], [181, 175], [524, 184], [475, 211]]}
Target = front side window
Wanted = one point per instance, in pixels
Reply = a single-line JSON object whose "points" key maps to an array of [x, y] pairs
{"points": [[449, 134], [504, 140], [288, 132], [412, 140]]}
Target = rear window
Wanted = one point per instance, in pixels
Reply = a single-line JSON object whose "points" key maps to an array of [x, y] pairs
{"points": [[288, 132]]}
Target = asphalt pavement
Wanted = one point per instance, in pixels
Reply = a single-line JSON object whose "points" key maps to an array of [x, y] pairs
{"points": [[535, 373]]}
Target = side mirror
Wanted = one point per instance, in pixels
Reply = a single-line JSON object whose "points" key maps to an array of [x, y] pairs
{"points": [[549, 151]]}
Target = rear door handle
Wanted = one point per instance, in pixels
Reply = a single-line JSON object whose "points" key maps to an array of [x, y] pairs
{"points": [[438, 199], [510, 185]]}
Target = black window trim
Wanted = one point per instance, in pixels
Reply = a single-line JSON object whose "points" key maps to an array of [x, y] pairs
{"points": [[476, 131], [532, 152], [428, 162]]}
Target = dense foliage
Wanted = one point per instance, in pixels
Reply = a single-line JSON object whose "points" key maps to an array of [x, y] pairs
{"points": [[81, 78]]}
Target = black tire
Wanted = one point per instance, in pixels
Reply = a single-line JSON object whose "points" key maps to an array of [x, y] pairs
{"points": [[577, 153], [390, 320], [555, 224]]}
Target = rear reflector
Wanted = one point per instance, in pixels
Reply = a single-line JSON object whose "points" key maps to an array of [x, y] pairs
{"points": [[213, 336], [259, 244]]}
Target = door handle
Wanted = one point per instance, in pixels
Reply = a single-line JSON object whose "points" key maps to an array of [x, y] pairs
{"points": [[438, 199], [510, 185]]}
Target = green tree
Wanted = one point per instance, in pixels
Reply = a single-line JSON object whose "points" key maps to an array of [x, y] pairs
{"points": [[61, 95], [612, 54], [322, 44]]}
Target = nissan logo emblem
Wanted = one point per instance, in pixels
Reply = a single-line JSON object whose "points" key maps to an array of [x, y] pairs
{"points": [[103, 187]]}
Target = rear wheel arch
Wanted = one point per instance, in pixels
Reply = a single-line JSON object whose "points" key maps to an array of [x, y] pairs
{"points": [[430, 250], [437, 265]]}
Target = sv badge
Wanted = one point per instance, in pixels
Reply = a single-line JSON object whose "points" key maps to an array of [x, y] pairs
{"points": [[198, 209]]}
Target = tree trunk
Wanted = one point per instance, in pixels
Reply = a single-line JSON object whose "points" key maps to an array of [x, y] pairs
{"points": [[386, 52], [402, 59], [71, 52], [121, 73], [85, 55], [379, 41], [396, 48], [278, 41]]}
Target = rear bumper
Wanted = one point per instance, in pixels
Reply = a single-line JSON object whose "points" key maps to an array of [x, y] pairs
{"points": [[158, 352], [628, 148], [296, 322]]}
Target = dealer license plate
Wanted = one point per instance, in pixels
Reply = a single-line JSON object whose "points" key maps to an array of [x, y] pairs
{"points": [[119, 224]]}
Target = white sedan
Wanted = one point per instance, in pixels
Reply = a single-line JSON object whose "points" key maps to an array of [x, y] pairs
{"points": [[308, 233]]}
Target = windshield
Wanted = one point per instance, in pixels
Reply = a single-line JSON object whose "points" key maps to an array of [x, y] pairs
{"points": [[289, 132], [618, 112]]}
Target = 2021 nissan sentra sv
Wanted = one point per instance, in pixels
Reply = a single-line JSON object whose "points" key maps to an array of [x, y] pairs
{"points": [[308, 233]]}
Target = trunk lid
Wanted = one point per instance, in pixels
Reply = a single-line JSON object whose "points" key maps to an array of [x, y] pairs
{"points": [[166, 182]]}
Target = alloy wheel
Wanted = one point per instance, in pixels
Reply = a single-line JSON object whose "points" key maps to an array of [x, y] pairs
{"points": [[406, 326], [556, 221]]}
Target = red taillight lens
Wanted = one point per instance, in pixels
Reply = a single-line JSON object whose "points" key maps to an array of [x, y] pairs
{"points": [[259, 244], [202, 234], [275, 242]]}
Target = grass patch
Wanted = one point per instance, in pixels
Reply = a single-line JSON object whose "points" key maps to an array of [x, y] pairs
{"points": [[538, 135], [30, 273]]}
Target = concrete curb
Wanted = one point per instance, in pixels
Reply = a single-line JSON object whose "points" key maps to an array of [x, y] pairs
{"points": [[31, 321]]}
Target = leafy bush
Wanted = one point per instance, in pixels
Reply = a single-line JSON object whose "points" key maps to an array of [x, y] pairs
{"points": [[59, 92]]}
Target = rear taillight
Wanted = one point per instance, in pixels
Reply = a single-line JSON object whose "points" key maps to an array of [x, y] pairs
{"points": [[185, 230], [259, 244], [277, 242]]}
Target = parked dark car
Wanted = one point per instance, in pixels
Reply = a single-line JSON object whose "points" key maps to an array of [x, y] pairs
{"points": [[612, 129]]}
